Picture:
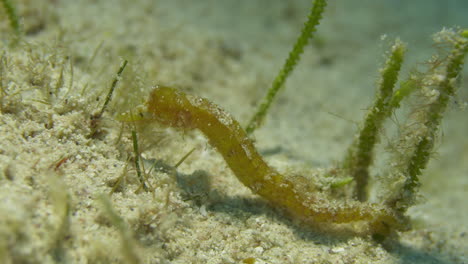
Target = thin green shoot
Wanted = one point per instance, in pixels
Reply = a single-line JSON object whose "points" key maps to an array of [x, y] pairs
{"points": [[361, 153], [112, 88], [184, 158], [137, 160], [307, 33]]}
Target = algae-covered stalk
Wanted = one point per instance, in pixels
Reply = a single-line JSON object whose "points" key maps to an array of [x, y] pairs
{"points": [[307, 33], [424, 137], [361, 153]]}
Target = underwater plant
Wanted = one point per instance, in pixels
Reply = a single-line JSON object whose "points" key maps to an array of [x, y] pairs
{"points": [[12, 16], [298, 196], [307, 33]]}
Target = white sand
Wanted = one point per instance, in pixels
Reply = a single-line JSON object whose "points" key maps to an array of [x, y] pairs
{"points": [[229, 52]]}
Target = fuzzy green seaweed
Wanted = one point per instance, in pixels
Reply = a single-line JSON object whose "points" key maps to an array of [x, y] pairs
{"points": [[406, 88], [307, 33], [361, 153], [445, 88]]}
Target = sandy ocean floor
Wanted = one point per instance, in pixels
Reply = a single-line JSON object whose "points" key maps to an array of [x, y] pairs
{"points": [[58, 168]]}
